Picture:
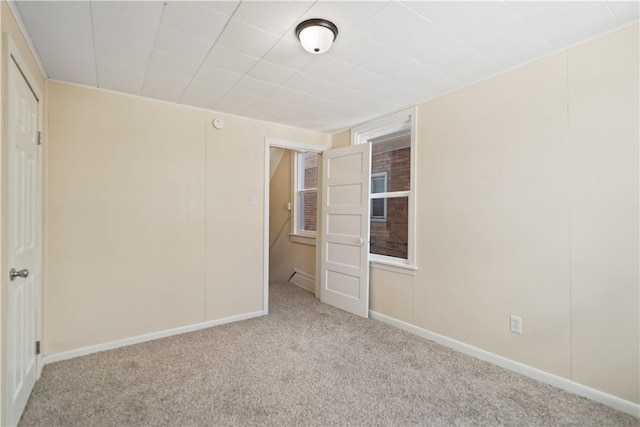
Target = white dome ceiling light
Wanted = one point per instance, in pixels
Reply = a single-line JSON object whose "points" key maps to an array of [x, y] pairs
{"points": [[316, 35]]}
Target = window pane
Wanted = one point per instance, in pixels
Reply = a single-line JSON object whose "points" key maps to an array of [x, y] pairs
{"points": [[308, 170], [379, 183], [390, 237], [308, 205], [378, 209], [392, 154]]}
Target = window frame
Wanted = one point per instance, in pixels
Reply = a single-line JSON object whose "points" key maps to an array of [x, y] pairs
{"points": [[363, 134], [299, 235]]}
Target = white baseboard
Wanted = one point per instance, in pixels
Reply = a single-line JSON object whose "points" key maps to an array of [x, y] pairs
{"points": [[529, 371], [147, 337], [304, 280]]}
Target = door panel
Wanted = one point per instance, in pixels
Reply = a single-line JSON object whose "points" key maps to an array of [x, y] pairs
{"points": [[345, 284], [341, 194], [23, 235], [344, 224], [344, 269], [343, 254]]}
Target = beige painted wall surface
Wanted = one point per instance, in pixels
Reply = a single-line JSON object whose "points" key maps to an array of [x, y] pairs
{"points": [[527, 204], [392, 294], [603, 135], [285, 255], [303, 136], [151, 223], [9, 29], [304, 258], [281, 262], [341, 139], [493, 215], [126, 217], [235, 172]]}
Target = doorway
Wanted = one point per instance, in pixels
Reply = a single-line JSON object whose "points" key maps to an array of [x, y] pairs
{"points": [[341, 220], [287, 254]]}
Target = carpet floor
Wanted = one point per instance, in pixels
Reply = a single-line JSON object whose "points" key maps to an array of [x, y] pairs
{"points": [[306, 363]]}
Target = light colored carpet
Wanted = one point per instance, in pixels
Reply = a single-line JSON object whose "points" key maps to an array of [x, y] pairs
{"points": [[305, 363]]}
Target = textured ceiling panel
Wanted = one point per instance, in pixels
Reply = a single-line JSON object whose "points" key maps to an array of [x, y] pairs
{"points": [[243, 57]]}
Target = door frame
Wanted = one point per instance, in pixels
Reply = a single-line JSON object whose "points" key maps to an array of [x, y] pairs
{"points": [[10, 52], [287, 145]]}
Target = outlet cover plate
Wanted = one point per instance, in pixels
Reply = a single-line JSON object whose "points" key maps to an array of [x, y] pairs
{"points": [[516, 324]]}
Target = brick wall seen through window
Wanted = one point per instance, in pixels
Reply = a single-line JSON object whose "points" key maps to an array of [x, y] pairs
{"points": [[390, 237], [309, 199]]}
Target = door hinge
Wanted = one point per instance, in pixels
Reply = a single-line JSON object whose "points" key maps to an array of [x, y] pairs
{"points": [[39, 138], [37, 347]]}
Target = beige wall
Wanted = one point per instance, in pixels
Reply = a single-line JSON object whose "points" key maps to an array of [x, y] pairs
{"points": [[126, 190], [280, 261], [285, 256], [150, 221], [341, 139], [10, 31], [603, 186], [493, 220], [527, 204]]}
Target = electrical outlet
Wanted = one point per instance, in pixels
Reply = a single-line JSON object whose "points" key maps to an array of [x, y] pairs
{"points": [[516, 324]]}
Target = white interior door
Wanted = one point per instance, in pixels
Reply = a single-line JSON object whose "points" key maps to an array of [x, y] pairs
{"points": [[23, 243], [344, 262]]}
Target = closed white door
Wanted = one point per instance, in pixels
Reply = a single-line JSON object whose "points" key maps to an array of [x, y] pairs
{"points": [[23, 243], [344, 268]]}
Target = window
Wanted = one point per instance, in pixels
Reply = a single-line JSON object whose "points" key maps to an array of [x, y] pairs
{"points": [[392, 142], [305, 205], [378, 206]]}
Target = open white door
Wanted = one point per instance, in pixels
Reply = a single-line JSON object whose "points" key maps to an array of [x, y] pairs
{"points": [[23, 243], [344, 262]]}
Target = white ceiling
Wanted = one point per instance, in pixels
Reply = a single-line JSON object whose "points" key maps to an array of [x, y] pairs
{"points": [[243, 57]]}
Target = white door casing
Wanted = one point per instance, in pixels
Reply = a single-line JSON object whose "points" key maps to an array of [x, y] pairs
{"points": [[23, 242], [344, 270]]}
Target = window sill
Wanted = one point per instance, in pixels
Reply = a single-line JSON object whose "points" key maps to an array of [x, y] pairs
{"points": [[304, 240], [393, 266]]}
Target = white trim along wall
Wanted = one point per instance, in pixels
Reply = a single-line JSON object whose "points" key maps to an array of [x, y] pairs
{"points": [[148, 337], [520, 368]]}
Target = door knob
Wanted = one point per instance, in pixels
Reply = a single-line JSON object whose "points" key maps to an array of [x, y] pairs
{"points": [[21, 273]]}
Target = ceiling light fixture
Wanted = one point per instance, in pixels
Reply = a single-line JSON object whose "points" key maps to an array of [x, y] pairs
{"points": [[316, 35]]}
